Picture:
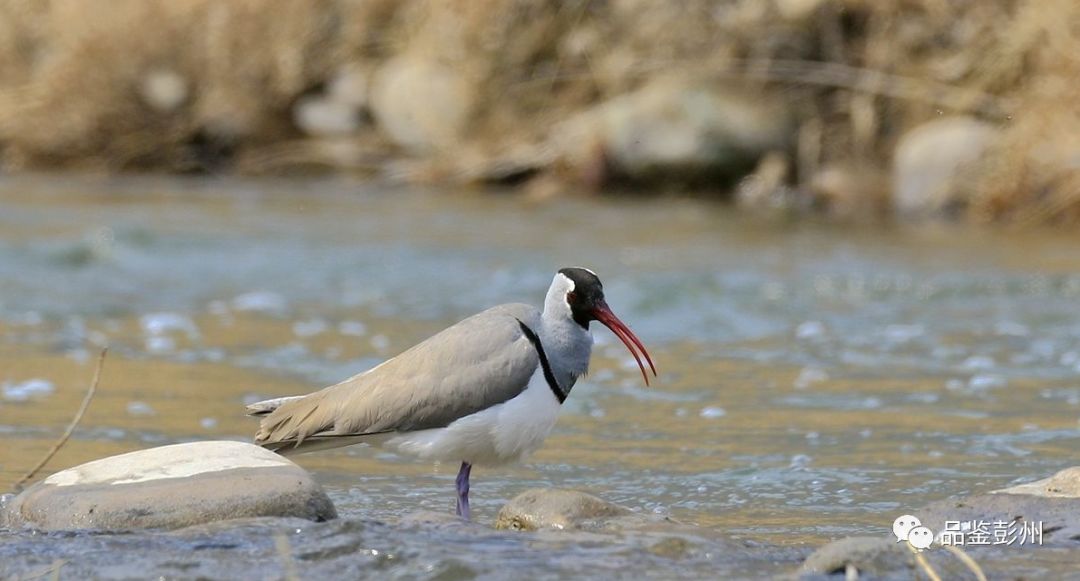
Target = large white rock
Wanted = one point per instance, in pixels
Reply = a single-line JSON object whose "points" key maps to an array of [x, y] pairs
{"points": [[929, 158], [676, 128], [170, 487], [419, 104], [320, 116], [164, 90]]}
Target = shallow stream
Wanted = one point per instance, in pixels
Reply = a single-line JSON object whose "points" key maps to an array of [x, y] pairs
{"points": [[815, 381]]}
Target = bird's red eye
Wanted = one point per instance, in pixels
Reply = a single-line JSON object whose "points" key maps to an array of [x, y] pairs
{"points": [[571, 297]]}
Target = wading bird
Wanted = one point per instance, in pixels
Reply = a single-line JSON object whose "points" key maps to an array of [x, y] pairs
{"points": [[485, 391]]}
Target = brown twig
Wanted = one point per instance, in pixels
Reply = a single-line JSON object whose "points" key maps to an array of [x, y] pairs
{"points": [[71, 426], [967, 561], [924, 564]]}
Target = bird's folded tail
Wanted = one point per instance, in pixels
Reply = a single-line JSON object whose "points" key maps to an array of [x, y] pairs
{"points": [[287, 434], [318, 443], [266, 407]]}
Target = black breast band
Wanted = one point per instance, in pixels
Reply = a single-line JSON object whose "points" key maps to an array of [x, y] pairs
{"points": [[544, 363]]}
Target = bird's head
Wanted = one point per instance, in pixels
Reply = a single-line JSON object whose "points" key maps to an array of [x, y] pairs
{"points": [[583, 294]]}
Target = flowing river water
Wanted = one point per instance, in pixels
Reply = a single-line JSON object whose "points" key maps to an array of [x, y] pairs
{"points": [[816, 381]]}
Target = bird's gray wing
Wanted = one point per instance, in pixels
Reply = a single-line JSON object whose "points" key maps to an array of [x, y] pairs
{"points": [[480, 362]]}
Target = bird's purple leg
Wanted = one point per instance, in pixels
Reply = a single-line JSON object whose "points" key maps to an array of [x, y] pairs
{"points": [[463, 490]]}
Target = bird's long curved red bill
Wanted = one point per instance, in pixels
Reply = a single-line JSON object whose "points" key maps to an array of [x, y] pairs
{"points": [[603, 314]]}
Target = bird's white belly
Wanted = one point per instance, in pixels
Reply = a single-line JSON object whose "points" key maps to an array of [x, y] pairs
{"points": [[502, 433]]}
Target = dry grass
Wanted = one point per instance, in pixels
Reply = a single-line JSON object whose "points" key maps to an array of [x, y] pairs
{"points": [[856, 74], [75, 97], [1033, 173]]}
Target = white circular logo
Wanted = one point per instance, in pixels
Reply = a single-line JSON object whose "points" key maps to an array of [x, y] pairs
{"points": [[920, 537], [903, 525]]}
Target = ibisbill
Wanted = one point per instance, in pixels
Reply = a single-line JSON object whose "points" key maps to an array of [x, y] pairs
{"points": [[485, 391]]}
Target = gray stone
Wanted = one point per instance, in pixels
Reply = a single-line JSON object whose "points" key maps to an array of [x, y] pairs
{"points": [[552, 508], [319, 116], [1053, 501], [1064, 484], [880, 558], [419, 104], [930, 158], [869, 555], [676, 129], [164, 90], [1060, 516], [171, 487]]}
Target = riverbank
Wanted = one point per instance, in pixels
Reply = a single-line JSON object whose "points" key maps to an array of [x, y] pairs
{"points": [[847, 108]]}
